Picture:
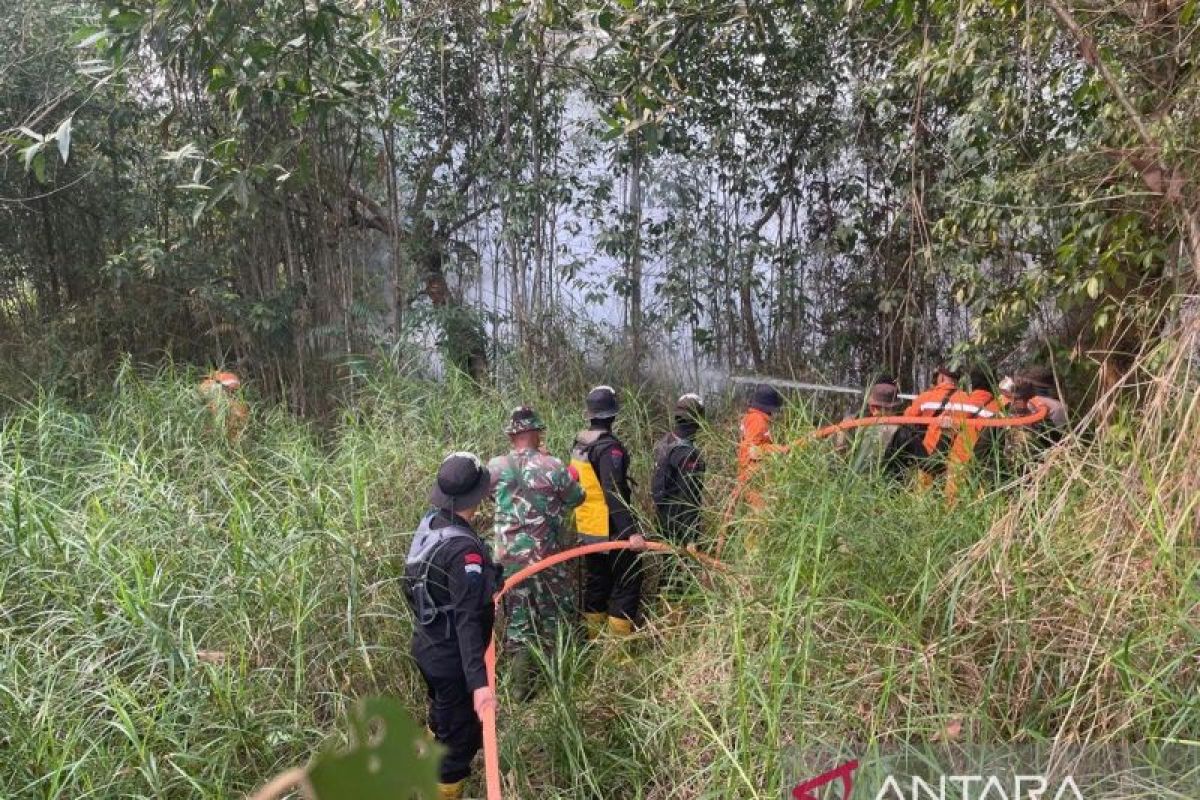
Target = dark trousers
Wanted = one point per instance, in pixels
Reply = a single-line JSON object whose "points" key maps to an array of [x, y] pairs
{"points": [[454, 724], [676, 576], [612, 584]]}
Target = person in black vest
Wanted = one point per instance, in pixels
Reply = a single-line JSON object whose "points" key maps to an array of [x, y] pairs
{"points": [[678, 486], [450, 580], [612, 585]]}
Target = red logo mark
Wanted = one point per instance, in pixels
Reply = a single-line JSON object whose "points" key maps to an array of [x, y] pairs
{"points": [[808, 789]]}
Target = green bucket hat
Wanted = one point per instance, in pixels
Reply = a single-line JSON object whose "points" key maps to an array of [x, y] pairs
{"points": [[522, 420]]}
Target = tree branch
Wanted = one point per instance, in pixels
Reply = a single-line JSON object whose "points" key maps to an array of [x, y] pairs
{"points": [[1170, 189]]}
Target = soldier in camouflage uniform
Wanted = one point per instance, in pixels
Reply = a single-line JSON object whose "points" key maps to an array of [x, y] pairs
{"points": [[893, 451], [534, 493]]}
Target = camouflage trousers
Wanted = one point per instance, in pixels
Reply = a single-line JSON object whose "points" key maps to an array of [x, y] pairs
{"points": [[534, 610]]}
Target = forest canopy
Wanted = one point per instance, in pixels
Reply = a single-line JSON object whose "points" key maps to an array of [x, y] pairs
{"points": [[812, 189]]}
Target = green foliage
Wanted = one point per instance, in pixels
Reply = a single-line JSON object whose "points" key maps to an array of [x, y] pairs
{"points": [[390, 756], [183, 616], [278, 78], [812, 188]]}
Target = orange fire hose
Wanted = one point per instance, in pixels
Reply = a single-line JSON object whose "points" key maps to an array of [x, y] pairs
{"points": [[865, 422], [993, 422], [491, 748]]}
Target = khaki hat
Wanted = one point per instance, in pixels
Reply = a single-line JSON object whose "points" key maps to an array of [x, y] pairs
{"points": [[884, 395]]}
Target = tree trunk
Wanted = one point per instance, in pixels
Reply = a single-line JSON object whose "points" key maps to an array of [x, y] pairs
{"points": [[634, 265], [463, 340]]}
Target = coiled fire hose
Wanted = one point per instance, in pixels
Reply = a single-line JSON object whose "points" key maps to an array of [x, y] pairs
{"points": [[491, 747]]}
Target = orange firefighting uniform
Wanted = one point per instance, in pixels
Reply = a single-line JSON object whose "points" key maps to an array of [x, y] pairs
{"points": [[756, 442]]}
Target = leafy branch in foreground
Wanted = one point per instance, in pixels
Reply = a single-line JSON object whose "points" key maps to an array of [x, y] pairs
{"points": [[389, 756]]}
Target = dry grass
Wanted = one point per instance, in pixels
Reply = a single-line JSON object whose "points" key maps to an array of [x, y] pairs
{"points": [[185, 618]]}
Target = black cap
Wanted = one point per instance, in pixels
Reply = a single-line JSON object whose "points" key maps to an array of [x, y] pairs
{"points": [[602, 403], [1041, 377], [690, 407], [766, 399], [953, 373], [1022, 390], [462, 481], [980, 378]]}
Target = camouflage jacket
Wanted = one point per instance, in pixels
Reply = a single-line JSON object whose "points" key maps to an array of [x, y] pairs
{"points": [[534, 493]]}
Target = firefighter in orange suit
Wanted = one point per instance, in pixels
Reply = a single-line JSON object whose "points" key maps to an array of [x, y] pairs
{"points": [[756, 441], [966, 444], [933, 401]]}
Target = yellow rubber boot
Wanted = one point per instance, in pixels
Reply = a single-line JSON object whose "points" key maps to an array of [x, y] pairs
{"points": [[594, 621], [451, 791], [620, 627]]}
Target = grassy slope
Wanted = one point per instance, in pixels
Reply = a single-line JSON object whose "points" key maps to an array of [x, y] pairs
{"points": [[134, 538]]}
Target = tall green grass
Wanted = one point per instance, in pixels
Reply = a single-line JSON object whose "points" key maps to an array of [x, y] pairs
{"points": [[183, 617]]}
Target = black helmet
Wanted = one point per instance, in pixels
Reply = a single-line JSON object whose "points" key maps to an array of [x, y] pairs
{"points": [[690, 407], [602, 403], [766, 398], [462, 481]]}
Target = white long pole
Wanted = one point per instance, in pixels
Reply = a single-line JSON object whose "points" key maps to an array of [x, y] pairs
{"points": [[812, 387]]}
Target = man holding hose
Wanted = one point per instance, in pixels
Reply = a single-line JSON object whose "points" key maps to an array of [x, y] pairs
{"points": [[450, 581], [678, 486], [612, 589]]}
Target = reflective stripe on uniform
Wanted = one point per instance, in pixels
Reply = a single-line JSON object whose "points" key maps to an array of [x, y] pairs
{"points": [[964, 408]]}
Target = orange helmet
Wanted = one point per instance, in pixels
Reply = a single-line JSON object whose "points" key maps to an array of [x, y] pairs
{"points": [[226, 380]]}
